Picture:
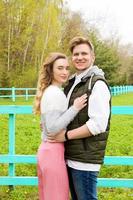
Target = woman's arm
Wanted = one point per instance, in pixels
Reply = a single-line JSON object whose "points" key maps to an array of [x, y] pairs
{"points": [[55, 120], [54, 117]]}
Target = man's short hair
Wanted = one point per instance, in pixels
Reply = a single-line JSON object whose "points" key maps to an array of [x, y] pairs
{"points": [[80, 40]]}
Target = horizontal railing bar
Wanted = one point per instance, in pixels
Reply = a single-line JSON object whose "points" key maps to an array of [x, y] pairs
{"points": [[4, 96], [20, 109], [17, 88], [14, 109], [24, 180], [18, 95], [115, 182], [102, 182], [108, 160], [25, 88], [5, 89], [122, 110], [118, 160], [18, 159]]}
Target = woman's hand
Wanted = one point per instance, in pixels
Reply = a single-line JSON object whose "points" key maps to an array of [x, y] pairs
{"points": [[80, 102]]}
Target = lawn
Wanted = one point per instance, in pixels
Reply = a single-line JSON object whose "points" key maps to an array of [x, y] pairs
{"points": [[28, 138]]}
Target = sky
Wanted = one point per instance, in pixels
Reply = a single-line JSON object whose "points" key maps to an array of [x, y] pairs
{"points": [[114, 18]]}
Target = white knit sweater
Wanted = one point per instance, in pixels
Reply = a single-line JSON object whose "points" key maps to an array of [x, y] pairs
{"points": [[54, 113]]}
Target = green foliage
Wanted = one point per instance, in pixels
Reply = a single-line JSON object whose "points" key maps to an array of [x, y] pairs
{"points": [[106, 56], [74, 26], [5, 80], [29, 30], [130, 72]]}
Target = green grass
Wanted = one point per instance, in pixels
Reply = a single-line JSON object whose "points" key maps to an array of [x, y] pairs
{"points": [[124, 99], [28, 139], [18, 101]]}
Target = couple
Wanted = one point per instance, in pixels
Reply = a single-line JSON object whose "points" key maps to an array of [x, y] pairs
{"points": [[79, 122]]}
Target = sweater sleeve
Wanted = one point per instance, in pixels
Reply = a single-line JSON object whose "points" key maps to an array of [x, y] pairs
{"points": [[55, 114], [55, 120]]}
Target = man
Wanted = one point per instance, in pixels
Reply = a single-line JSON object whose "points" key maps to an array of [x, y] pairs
{"points": [[87, 134]]}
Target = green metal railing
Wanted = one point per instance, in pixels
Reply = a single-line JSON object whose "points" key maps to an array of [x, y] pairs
{"points": [[30, 92], [12, 158], [13, 93]]}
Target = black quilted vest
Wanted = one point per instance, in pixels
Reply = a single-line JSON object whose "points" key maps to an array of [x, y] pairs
{"points": [[90, 149]]}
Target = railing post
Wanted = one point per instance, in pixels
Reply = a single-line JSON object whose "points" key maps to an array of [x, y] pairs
{"points": [[120, 89], [115, 90], [123, 89], [126, 89], [117, 93], [13, 93], [26, 94], [11, 169]]}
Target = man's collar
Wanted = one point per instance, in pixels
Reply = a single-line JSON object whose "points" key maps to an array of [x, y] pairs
{"points": [[84, 73], [81, 75]]}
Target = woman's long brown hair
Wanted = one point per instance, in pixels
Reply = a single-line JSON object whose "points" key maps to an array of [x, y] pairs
{"points": [[45, 77]]}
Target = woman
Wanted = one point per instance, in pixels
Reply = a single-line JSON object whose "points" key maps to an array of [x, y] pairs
{"points": [[51, 103]]}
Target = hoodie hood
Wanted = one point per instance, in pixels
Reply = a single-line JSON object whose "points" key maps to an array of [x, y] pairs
{"points": [[94, 70]]}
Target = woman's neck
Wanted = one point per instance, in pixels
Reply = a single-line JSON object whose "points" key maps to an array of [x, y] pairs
{"points": [[57, 85]]}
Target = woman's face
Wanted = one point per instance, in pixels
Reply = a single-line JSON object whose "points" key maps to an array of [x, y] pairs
{"points": [[60, 71]]}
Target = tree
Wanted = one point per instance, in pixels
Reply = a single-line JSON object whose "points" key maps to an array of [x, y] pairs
{"points": [[74, 26], [130, 72], [28, 31], [106, 55]]}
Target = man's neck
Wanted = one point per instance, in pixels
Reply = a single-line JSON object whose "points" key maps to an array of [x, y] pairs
{"points": [[83, 71]]}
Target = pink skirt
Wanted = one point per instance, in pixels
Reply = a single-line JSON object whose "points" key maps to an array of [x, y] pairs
{"points": [[52, 173]]}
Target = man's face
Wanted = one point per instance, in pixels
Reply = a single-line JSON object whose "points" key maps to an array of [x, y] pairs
{"points": [[82, 57]]}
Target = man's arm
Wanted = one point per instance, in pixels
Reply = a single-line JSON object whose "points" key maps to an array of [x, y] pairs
{"points": [[78, 133], [81, 132], [98, 113]]}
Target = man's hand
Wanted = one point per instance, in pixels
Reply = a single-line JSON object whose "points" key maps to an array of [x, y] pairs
{"points": [[59, 137]]}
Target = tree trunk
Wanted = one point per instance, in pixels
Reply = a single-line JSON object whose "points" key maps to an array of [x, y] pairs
{"points": [[9, 47]]}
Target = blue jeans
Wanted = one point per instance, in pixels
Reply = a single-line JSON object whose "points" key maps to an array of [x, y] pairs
{"points": [[83, 184]]}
